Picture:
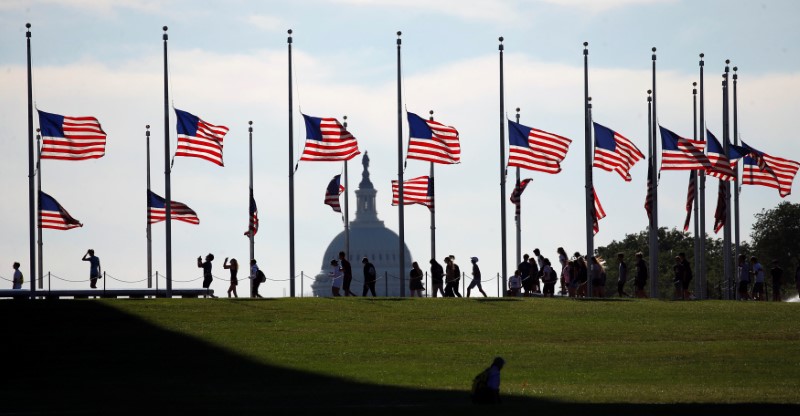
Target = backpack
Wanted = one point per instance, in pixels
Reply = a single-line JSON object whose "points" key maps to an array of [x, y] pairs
{"points": [[553, 276], [260, 276], [480, 382]]}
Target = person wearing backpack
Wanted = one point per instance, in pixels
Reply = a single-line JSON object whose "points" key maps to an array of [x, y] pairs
{"points": [[370, 276], [257, 277], [486, 385], [549, 278]]}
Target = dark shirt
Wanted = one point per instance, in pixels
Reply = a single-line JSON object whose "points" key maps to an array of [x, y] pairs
{"points": [[641, 270], [476, 273], [347, 270], [678, 270], [687, 271], [437, 272], [206, 269], [777, 276], [369, 273], [524, 269]]}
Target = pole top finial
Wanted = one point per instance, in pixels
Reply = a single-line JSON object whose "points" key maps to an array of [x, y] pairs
{"points": [[727, 62], [289, 31], [694, 84], [165, 28], [518, 109], [500, 39], [430, 112], [147, 127], [585, 44], [736, 68], [702, 55], [649, 92], [654, 49], [250, 122], [589, 98], [38, 130], [344, 116], [399, 33], [28, 25]]}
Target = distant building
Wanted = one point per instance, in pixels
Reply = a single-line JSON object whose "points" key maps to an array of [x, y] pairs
{"points": [[368, 238]]}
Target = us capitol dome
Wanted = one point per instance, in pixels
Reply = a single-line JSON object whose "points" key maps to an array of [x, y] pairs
{"points": [[368, 238]]}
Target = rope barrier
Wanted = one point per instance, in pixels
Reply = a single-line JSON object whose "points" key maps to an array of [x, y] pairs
{"points": [[67, 280], [108, 275], [12, 280]]}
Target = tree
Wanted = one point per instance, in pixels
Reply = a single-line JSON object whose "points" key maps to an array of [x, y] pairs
{"points": [[776, 236]]}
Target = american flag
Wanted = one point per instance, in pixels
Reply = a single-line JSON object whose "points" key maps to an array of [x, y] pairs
{"points": [[690, 199], [648, 200], [534, 149], [197, 138], [253, 226], [614, 152], [598, 212], [415, 191], [721, 165], [328, 141], [53, 215], [722, 207], [516, 195], [158, 210], [679, 153], [432, 141], [332, 192], [71, 138], [762, 169]]}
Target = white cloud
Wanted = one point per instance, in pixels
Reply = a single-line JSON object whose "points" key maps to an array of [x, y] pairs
{"points": [[95, 6], [604, 5], [266, 22]]}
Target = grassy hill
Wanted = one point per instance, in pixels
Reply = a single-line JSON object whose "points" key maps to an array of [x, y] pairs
{"points": [[394, 356]]}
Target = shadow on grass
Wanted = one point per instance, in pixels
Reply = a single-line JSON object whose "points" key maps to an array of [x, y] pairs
{"points": [[84, 357]]}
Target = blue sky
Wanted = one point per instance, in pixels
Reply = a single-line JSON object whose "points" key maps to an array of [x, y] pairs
{"points": [[228, 65]]}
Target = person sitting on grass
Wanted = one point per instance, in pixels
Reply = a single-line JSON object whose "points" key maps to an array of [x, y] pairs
{"points": [[486, 385]]}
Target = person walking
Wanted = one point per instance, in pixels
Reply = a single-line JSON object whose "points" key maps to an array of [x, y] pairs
{"points": [[256, 276], [16, 280], [452, 276], [677, 280], [562, 260], [94, 267], [437, 278], [206, 266], [337, 276], [758, 273], [777, 280], [640, 280], [623, 276], [415, 280], [456, 274], [347, 272], [525, 272], [234, 268], [370, 276], [476, 277], [744, 278]]}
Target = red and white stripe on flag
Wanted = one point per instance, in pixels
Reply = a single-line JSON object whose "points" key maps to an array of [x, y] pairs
{"points": [[206, 144], [337, 143], [83, 139], [689, 156], [179, 212], [599, 213], [415, 191], [771, 171], [544, 153], [443, 147]]}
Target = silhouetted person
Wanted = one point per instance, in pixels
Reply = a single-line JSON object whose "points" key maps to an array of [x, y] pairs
{"points": [[582, 275], [758, 273], [549, 279], [370, 276], [437, 278], [206, 266], [336, 278], [234, 268], [456, 273], [514, 284], [347, 271], [16, 280], [687, 276], [415, 280], [744, 278], [623, 276], [476, 277], [640, 280], [486, 385], [94, 267], [677, 280], [256, 278], [525, 272]]}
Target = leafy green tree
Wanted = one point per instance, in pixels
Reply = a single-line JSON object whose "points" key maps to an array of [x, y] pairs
{"points": [[776, 236]]}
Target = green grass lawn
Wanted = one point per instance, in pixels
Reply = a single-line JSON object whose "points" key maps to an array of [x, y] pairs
{"points": [[352, 355]]}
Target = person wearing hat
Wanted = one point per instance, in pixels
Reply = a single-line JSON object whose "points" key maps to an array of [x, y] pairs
{"points": [[337, 277], [370, 276], [476, 277]]}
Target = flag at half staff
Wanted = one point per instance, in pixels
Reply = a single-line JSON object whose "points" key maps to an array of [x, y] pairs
{"points": [[690, 199], [253, 226], [535, 149], [722, 166], [157, 210], [53, 215], [335, 188], [766, 170], [614, 152], [598, 213], [648, 199], [418, 190], [720, 213], [679, 153], [197, 138], [516, 195], [432, 141], [71, 138], [328, 141]]}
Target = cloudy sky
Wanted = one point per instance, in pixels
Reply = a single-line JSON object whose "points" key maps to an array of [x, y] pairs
{"points": [[228, 64]]}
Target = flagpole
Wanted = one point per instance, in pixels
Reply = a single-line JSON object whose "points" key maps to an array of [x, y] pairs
{"points": [[701, 272], [31, 204], [503, 259], [250, 214], [652, 237], [39, 204], [432, 186], [726, 241], [149, 227], [736, 170], [588, 194], [654, 248], [400, 171], [346, 205], [291, 172], [518, 216], [167, 187], [698, 287]]}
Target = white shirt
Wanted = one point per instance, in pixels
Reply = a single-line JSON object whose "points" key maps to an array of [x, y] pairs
{"points": [[337, 276], [515, 282], [17, 279]]}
